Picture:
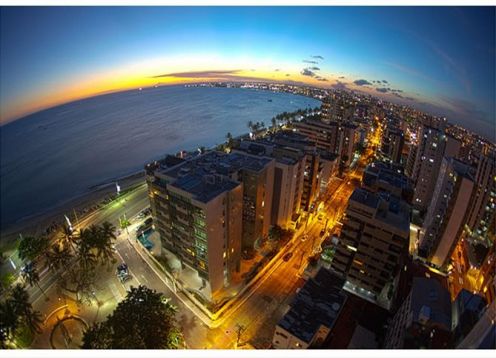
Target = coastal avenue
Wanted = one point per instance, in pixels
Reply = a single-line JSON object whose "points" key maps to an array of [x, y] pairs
{"points": [[258, 309]]}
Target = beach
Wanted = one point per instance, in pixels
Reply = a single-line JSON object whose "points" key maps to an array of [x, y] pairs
{"points": [[46, 222]]}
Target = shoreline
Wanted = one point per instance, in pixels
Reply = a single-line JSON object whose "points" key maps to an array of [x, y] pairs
{"points": [[41, 223], [46, 221]]}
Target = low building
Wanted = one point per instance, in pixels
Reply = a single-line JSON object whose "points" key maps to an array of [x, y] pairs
{"points": [[483, 334], [423, 320], [466, 312], [312, 313]]}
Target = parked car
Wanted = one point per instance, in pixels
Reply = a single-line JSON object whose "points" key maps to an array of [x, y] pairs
{"points": [[287, 257]]}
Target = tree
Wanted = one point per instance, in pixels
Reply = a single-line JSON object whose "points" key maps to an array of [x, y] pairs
{"points": [[67, 237], [274, 123], [250, 126], [230, 140], [9, 321], [31, 247], [57, 257], [275, 233], [31, 275], [141, 321], [19, 299]]}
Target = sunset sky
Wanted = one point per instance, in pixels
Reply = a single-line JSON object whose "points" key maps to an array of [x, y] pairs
{"points": [[439, 59]]}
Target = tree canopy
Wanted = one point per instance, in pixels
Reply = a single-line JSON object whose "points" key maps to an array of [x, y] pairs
{"points": [[143, 320]]}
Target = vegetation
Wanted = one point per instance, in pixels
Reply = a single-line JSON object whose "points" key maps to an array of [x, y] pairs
{"points": [[31, 247], [73, 257], [143, 320], [16, 317]]}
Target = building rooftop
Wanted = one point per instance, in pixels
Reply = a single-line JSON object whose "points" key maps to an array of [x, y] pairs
{"points": [[208, 175], [384, 174], [431, 303], [388, 208], [318, 303]]}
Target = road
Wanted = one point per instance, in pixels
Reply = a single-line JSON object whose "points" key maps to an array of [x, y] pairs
{"points": [[258, 310]]}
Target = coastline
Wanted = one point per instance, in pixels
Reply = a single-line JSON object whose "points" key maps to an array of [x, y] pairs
{"points": [[82, 205], [96, 196]]}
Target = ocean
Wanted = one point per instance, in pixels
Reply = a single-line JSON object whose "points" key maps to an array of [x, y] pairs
{"points": [[52, 156]]}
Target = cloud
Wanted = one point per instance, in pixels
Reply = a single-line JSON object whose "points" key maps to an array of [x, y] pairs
{"points": [[307, 72], [312, 62], [342, 77], [199, 74], [382, 89], [396, 90], [384, 81], [276, 70], [227, 75], [314, 68], [362, 82], [322, 79], [340, 85], [287, 75], [398, 95], [317, 57]]}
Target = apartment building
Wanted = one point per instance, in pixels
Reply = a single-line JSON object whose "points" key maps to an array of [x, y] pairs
{"points": [[373, 240], [447, 212], [210, 208]]}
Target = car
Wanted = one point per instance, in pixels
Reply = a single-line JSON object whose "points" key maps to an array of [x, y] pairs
{"points": [[304, 238], [320, 217], [123, 272], [322, 232], [287, 257]]}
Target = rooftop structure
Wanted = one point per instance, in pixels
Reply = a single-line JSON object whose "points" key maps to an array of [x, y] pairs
{"points": [[313, 312]]}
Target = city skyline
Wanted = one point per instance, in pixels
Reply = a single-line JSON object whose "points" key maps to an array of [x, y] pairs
{"points": [[434, 59]]}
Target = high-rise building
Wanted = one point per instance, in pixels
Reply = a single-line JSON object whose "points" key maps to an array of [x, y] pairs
{"points": [[481, 225], [447, 212], [433, 146], [336, 108], [392, 144], [288, 177], [424, 318], [211, 207], [373, 240], [380, 176]]}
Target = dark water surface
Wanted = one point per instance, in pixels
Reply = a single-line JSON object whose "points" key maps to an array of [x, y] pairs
{"points": [[52, 156]]}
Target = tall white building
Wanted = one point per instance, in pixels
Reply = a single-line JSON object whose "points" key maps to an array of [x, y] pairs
{"points": [[447, 211]]}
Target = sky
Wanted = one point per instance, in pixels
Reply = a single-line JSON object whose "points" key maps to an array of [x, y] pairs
{"points": [[437, 59]]}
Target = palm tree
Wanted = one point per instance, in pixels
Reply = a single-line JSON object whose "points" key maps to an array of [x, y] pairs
{"points": [[104, 243], [58, 257], [67, 237], [31, 275], [85, 256], [23, 308], [9, 321], [250, 126], [229, 138], [274, 123]]}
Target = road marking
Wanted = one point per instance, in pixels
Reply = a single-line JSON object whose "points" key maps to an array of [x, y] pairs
{"points": [[115, 292]]}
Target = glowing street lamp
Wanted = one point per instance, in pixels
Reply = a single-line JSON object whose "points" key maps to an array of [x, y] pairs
{"points": [[68, 223], [118, 188]]}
